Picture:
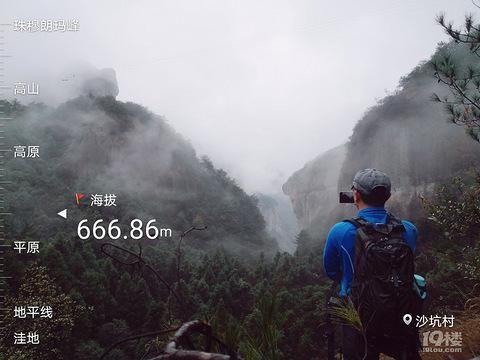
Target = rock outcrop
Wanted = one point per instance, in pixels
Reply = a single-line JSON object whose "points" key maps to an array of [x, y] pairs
{"points": [[313, 190]]}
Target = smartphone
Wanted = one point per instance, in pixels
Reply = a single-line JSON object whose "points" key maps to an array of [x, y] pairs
{"points": [[346, 197]]}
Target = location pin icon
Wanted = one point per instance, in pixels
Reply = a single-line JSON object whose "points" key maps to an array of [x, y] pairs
{"points": [[407, 319]]}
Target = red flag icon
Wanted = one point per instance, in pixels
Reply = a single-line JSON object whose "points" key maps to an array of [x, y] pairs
{"points": [[78, 197]]}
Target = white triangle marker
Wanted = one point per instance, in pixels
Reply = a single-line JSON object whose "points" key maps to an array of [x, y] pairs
{"points": [[63, 213]]}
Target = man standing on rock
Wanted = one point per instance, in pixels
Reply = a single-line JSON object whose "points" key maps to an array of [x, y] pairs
{"points": [[372, 256]]}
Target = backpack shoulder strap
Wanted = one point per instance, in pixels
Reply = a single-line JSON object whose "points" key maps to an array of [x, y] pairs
{"points": [[363, 227], [397, 225]]}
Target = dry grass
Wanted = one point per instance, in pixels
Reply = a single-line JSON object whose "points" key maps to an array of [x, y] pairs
{"points": [[468, 323]]}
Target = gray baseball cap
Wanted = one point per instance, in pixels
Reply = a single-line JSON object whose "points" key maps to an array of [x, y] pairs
{"points": [[367, 180]]}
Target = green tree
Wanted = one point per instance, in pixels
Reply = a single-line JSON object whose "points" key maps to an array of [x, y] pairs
{"points": [[461, 75], [264, 330], [39, 290], [455, 210]]}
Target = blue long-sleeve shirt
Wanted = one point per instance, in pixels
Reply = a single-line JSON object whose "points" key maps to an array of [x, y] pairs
{"points": [[339, 250]]}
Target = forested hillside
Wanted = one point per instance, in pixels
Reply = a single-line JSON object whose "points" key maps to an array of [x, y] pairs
{"points": [[98, 145]]}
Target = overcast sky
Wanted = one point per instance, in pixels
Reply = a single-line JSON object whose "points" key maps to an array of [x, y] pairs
{"points": [[261, 87]]}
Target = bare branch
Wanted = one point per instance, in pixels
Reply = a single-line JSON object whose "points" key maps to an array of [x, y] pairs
{"points": [[135, 337], [180, 348], [139, 260]]}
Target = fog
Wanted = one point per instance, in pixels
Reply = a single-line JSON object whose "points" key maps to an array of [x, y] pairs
{"points": [[259, 87]]}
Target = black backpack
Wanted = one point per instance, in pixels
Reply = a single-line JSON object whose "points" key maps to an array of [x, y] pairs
{"points": [[382, 287]]}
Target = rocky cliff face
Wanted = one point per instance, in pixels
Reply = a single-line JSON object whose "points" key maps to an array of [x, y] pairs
{"points": [[281, 223], [313, 190], [405, 135]]}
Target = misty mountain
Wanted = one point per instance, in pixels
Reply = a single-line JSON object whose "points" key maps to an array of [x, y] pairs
{"points": [[405, 135], [280, 220], [98, 145]]}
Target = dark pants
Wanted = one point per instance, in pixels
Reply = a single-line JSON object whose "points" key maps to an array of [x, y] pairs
{"points": [[354, 346]]}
